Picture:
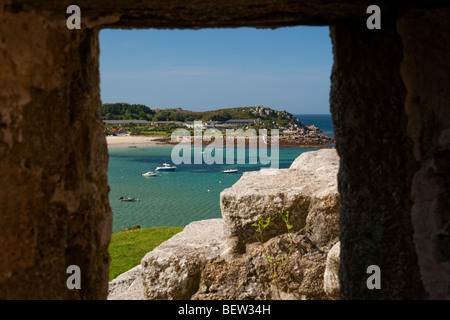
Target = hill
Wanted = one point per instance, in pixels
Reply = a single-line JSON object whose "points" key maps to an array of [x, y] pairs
{"points": [[125, 111]]}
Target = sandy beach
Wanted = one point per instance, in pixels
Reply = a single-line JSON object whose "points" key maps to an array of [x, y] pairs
{"points": [[126, 141], [147, 141]]}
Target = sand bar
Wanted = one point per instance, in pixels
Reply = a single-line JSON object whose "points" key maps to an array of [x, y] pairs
{"points": [[127, 141]]}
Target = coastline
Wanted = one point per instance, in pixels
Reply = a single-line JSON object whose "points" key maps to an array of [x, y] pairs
{"points": [[131, 141], [148, 141]]}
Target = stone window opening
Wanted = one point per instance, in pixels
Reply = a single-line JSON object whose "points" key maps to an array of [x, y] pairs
{"points": [[389, 102]]}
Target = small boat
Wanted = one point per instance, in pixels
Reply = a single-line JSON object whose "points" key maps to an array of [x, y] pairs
{"points": [[230, 171], [129, 199], [166, 167], [149, 174]]}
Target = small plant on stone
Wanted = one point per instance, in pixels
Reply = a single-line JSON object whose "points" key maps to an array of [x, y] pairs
{"points": [[276, 266]]}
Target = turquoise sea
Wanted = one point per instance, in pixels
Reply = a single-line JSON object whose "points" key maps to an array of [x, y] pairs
{"points": [[190, 193]]}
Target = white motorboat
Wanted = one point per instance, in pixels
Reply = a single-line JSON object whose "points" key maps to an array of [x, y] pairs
{"points": [[230, 171], [166, 167], [149, 174]]}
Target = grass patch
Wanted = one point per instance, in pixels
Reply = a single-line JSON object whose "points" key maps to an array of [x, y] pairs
{"points": [[156, 133], [127, 248]]}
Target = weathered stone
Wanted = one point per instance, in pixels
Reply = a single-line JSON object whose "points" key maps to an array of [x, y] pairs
{"points": [[173, 269], [376, 163], [308, 190], [198, 262], [127, 286], [425, 36], [55, 209], [252, 276], [331, 274], [205, 14], [180, 269]]}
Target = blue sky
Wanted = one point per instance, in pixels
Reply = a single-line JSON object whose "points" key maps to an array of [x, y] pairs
{"points": [[285, 69]]}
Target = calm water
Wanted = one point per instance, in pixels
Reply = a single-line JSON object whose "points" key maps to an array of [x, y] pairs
{"points": [[322, 121], [190, 193]]}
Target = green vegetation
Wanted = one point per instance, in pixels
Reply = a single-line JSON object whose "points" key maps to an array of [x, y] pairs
{"points": [[128, 247], [140, 131], [124, 111], [151, 131], [265, 118], [277, 266]]}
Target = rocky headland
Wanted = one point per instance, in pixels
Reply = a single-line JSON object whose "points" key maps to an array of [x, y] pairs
{"points": [[297, 139], [227, 258]]}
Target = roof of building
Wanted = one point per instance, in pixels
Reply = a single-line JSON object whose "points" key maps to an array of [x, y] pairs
{"points": [[241, 120]]}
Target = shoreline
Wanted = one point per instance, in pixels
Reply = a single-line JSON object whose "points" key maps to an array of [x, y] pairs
{"points": [[152, 141], [131, 141]]}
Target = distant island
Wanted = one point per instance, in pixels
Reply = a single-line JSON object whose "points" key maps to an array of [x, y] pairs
{"points": [[140, 120]]}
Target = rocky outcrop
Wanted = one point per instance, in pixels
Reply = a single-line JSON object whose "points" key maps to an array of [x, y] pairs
{"points": [[308, 190], [223, 258]]}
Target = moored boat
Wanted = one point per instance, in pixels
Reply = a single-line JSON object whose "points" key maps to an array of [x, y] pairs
{"points": [[230, 171], [166, 167], [129, 199], [149, 174]]}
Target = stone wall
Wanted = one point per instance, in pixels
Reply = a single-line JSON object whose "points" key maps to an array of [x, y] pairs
{"points": [[389, 100], [389, 104], [425, 72], [54, 208], [377, 164]]}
